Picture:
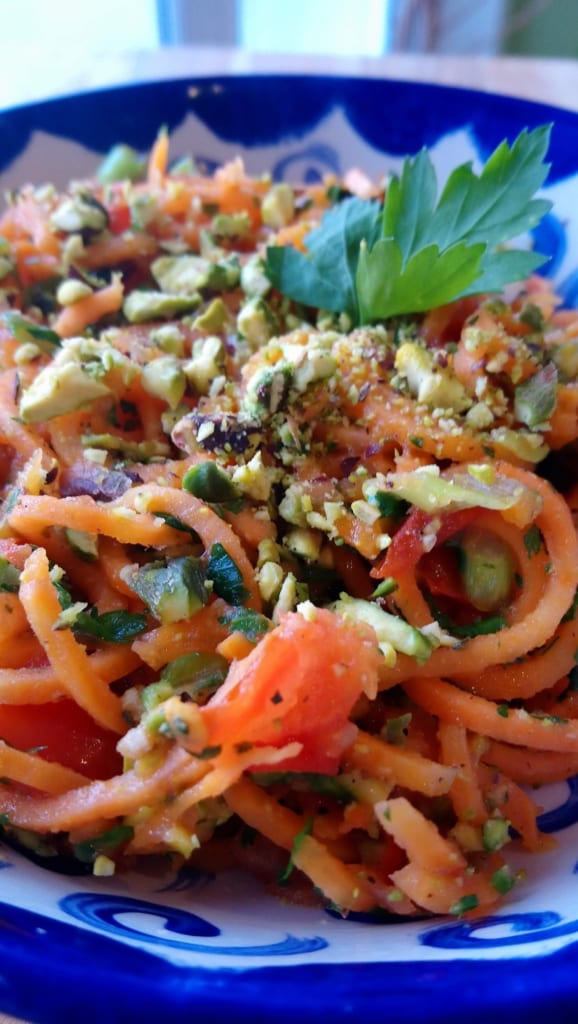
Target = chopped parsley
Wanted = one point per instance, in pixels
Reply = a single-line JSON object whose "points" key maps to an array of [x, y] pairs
{"points": [[297, 844], [533, 540], [226, 577], [464, 904], [246, 621]]}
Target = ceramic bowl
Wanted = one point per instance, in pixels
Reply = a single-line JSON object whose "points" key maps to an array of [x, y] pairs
{"points": [[193, 947]]}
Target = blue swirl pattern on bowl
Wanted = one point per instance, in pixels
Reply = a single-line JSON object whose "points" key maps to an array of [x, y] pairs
{"points": [[195, 948]]}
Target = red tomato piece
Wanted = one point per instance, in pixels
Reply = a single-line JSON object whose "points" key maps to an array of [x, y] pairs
{"points": [[119, 217], [299, 683], [406, 548], [63, 732], [440, 573]]}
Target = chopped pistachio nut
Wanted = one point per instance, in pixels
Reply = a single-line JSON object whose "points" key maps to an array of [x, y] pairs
{"points": [[96, 455], [287, 599], [254, 280], [164, 378], [432, 385], [565, 355], [365, 512], [255, 322], [71, 291], [291, 507], [480, 416], [26, 353], [182, 275], [278, 206], [213, 318], [79, 213], [143, 210], [307, 610], [140, 306], [169, 338], [305, 543], [255, 479], [58, 389], [270, 578], [103, 867], [268, 551], [231, 225], [206, 364]]}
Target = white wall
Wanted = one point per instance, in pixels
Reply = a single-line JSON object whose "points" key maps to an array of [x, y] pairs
{"points": [[335, 27], [88, 25]]}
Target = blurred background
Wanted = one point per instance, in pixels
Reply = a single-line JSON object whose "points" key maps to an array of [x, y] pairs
{"points": [[48, 46], [348, 27]]}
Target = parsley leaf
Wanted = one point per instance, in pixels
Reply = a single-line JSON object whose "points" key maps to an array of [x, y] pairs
{"points": [[420, 251], [430, 278], [326, 277], [432, 254]]}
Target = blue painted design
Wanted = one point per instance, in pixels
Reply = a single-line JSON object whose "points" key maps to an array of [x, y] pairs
{"points": [[568, 290], [549, 238], [536, 926], [563, 816], [308, 164], [393, 117], [89, 977], [104, 912]]}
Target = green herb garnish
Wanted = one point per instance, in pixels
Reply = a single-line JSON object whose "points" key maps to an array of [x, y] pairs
{"points": [[503, 880], [226, 577], [390, 505], [114, 627], [422, 251], [27, 331], [88, 850], [9, 577], [244, 620], [464, 904], [533, 540], [297, 843]]}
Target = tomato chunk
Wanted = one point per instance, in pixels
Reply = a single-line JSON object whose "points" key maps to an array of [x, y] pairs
{"points": [[62, 732], [119, 217], [299, 684], [407, 546]]}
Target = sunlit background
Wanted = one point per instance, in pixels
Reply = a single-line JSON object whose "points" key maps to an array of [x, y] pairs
{"points": [[345, 27], [46, 42]]}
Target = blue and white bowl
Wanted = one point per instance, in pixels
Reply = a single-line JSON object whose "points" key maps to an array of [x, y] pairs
{"points": [[196, 948]]}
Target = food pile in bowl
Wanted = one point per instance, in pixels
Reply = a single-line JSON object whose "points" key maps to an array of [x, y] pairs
{"points": [[288, 562]]}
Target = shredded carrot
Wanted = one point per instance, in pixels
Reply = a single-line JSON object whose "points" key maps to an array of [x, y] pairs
{"points": [[67, 657], [78, 315]]}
